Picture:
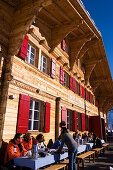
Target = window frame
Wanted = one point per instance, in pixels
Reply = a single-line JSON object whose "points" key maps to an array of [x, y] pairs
{"points": [[77, 120], [68, 122], [32, 119], [41, 63], [65, 79], [28, 56]]}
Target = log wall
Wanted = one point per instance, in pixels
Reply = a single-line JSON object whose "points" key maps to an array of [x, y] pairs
{"points": [[28, 78]]}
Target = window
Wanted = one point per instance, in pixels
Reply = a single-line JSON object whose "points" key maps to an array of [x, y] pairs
{"points": [[31, 54], [34, 115], [68, 119], [77, 88], [43, 63], [79, 121], [65, 79]]}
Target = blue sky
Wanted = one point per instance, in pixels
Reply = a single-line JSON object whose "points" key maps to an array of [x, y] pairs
{"points": [[101, 11]]}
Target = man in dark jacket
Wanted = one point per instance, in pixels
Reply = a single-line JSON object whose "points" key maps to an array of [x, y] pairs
{"points": [[96, 142]]}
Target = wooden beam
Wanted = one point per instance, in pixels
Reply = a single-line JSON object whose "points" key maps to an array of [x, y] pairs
{"points": [[51, 16], [60, 32], [65, 64], [81, 38], [99, 79], [86, 47], [59, 58], [65, 29], [57, 117], [88, 71], [11, 2], [74, 9], [74, 49], [93, 60], [61, 11], [25, 4], [105, 95], [6, 74]]}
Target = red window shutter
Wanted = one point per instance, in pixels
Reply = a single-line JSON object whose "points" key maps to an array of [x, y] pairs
{"points": [[47, 117], [70, 82], [63, 114], [24, 46], [74, 85], [61, 75], [23, 115], [85, 93], [63, 45], [53, 68], [83, 122], [74, 121]]}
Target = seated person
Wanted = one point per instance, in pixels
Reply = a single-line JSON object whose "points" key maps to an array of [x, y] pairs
{"points": [[50, 144], [90, 139], [27, 141], [40, 141], [75, 135], [85, 137], [15, 149], [96, 142], [57, 143]]}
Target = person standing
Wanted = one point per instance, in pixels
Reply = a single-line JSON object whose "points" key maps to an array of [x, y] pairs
{"points": [[67, 139]]}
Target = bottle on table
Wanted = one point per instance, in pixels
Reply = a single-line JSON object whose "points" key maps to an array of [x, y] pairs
{"points": [[35, 151]]}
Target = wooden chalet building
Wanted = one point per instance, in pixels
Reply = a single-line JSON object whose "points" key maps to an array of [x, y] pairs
{"points": [[53, 67]]}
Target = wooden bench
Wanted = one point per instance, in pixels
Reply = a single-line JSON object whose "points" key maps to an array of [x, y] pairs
{"points": [[105, 145], [57, 166], [85, 155], [98, 151]]}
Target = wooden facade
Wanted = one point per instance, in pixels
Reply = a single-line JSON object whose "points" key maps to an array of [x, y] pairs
{"points": [[66, 68]]}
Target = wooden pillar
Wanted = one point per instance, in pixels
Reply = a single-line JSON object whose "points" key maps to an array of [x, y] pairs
{"points": [[5, 78], [58, 101], [0, 55], [79, 64]]}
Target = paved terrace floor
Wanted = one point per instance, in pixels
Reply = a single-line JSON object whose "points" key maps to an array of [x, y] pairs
{"points": [[103, 162]]}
